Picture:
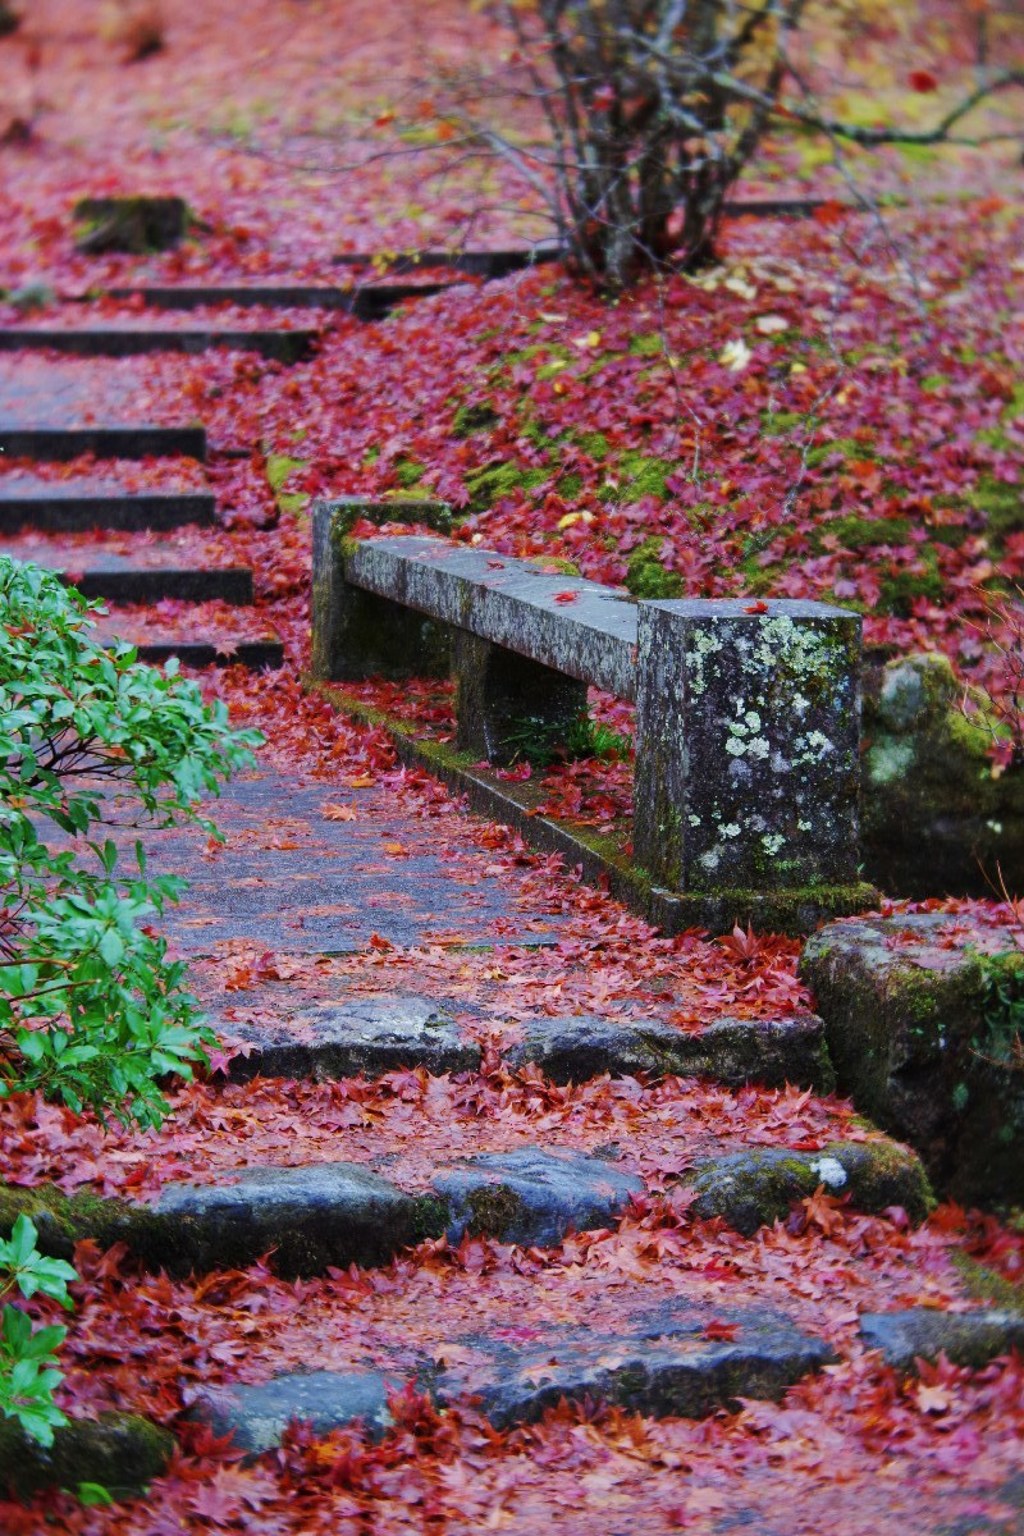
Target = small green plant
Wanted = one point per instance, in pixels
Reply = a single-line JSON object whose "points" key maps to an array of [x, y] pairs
{"points": [[1001, 1042], [540, 742], [28, 1365]]}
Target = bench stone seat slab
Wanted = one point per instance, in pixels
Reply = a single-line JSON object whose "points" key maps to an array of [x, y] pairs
{"points": [[511, 603]]}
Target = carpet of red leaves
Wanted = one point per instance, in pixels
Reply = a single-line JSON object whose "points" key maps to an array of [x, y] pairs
{"points": [[853, 447]]}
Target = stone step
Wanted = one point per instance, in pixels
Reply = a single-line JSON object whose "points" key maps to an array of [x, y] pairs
{"points": [[365, 301], [321, 1215], [373, 1035], [52, 443], [232, 643], [147, 573], [84, 503], [61, 408], [367, 1036], [285, 346], [668, 1359]]}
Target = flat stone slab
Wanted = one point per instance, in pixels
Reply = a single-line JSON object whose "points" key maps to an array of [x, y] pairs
{"points": [[150, 573], [913, 1024], [669, 1360], [674, 1368], [751, 1188], [112, 340], [292, 880], [312, 1217], [368, 1036], [509, 602], [257, 1416], [533, 1197], [731, 1051], [920, 1333]]}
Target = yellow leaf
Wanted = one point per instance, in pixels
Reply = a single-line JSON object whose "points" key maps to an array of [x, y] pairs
{"points": [[361, 781], [591, 339], [332, 812]]}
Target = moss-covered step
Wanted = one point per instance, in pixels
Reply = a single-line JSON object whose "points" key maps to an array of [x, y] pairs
{"points": [[923, 1015], [674, 1358], [934, 818], [574, 1049], [921, 1333], [122, 1452], [756, 1187], [315, 1216]]}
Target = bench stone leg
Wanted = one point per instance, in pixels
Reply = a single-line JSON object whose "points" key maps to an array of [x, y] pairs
{"points": [[748, 728], [505, 704], [357, 634]]}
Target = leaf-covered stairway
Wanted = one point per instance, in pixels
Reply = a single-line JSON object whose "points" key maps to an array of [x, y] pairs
{"points": [[485, 1167]]}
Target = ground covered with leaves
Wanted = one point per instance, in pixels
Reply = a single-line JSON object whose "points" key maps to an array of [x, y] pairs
{"points": [[834, 411]]}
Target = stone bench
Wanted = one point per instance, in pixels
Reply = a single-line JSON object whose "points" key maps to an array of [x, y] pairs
{"points": [[748, 713]]}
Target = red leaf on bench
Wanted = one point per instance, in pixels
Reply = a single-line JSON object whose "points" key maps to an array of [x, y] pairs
{"points": [[566, 597]]}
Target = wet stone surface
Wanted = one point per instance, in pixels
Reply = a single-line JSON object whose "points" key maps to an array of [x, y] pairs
{"points": [[291, 880], [257, 1416], [533, 1197], [919, 1333], [660, 1361], [313, 1216], [370, 1035], [752, 1188], [732, 1051]]}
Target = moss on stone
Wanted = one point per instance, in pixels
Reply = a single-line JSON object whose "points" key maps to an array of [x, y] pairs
{"points": [[495, 1209], [985, 1284], [647, 577], [122, 1452], [63, 1220]]}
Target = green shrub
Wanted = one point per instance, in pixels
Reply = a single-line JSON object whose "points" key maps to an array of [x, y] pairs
{"points": [[92, 1012]]}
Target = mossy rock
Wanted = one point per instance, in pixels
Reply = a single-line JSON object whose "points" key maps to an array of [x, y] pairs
{"points": [[918, 1044], [756, 1187], [934, 818], [137, 226], [122, 1452]]}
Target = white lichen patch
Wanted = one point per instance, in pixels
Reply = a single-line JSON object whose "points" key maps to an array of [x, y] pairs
{"points": [[704, 643], [830, 1171], [773, 843]]}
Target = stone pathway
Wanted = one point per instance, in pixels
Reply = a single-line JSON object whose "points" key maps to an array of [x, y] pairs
{"points": [[301, 878]]}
